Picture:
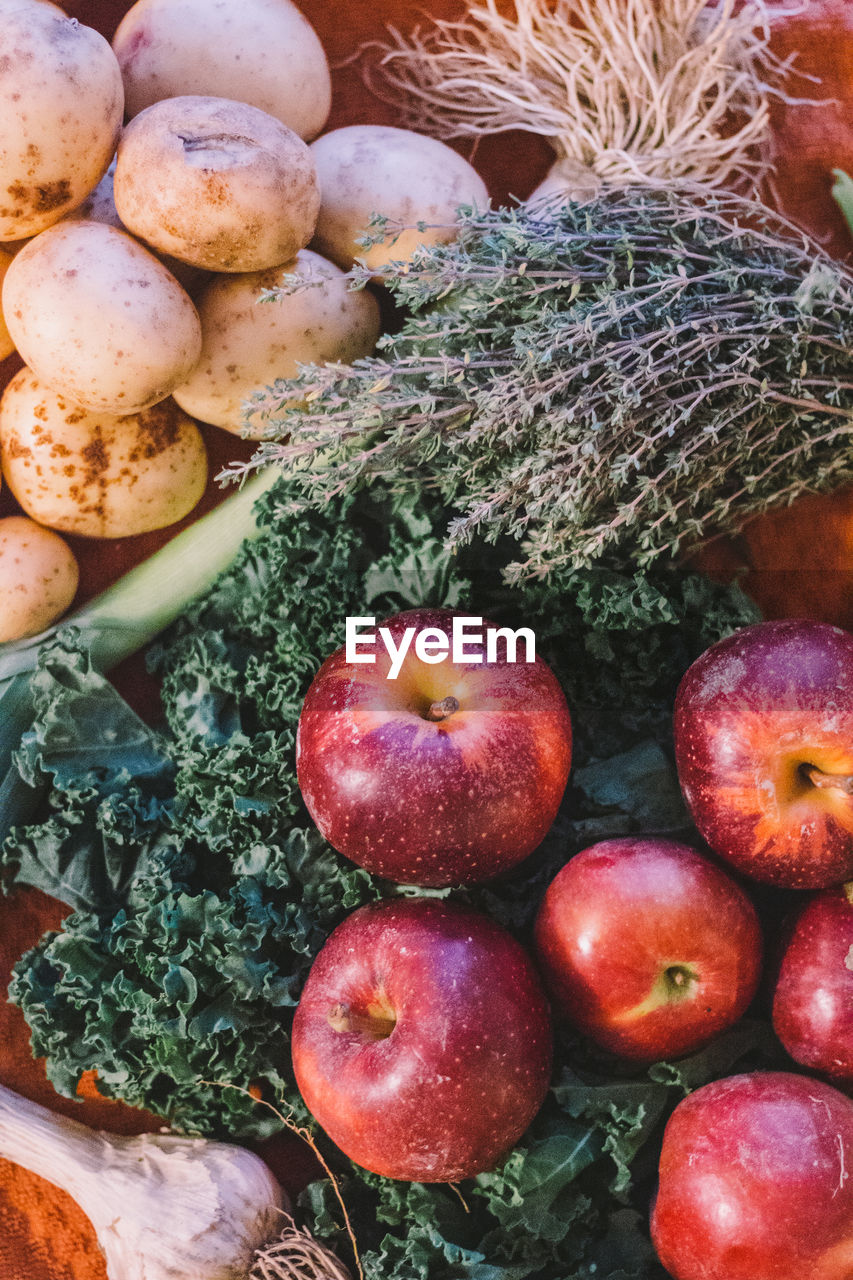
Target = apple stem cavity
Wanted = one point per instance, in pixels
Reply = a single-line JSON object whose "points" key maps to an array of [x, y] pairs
{"points": [[374, 1025], [673, 984], [441, 710], [818, 778], [679, 977]]}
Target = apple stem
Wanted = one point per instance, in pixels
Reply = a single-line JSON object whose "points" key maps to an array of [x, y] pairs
{"points": [[342, 1017], [817, 777], [441, 710]]}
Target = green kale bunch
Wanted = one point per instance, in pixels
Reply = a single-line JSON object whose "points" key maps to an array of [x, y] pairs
{"points": [[200, 890]]}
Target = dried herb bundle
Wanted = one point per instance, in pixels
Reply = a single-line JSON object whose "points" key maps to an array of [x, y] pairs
{"points": [[615, 381]]}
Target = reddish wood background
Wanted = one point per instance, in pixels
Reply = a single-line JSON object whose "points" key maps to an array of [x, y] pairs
{"points": [[797, 562]]}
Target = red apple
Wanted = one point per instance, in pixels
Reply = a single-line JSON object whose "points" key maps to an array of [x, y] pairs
{"points": [[756, 1182], [447, 774], [422, 1041], [764, 749], [648, 947], [813, 1000]]}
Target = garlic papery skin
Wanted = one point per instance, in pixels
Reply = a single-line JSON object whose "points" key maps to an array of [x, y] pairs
{"points": [[566, 182], [163, 1207]]}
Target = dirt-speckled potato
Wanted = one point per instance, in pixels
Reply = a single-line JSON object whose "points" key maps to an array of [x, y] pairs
{"points": [[38, 577], [100, 206], [61, 103], [218, 184], [263, 52], [99, 318], [246, 345], [96, 474], [7, 346], [367, 169]]}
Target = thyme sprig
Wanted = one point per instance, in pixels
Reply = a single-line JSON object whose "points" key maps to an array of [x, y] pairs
{"points": [[617, 380]]}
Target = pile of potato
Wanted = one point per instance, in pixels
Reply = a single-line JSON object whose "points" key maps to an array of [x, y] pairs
{"points": [[134, 255]]}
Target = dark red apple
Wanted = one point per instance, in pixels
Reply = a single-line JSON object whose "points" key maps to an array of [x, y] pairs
{"points": [[764, 749], [449, 774], [813, 1000], [648, 947], [422, 1041], [756, 1182]]}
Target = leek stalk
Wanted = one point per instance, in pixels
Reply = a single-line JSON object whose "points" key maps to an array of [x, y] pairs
{"points": [[842, 193], [122, 619]]}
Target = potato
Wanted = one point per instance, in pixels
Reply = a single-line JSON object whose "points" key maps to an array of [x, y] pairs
{"points": [[217, 184], [61, 102], [371, 168], [38, 577], [9, 6], [94, 473], [100, 206], [7, 346], [263, 52], [247, 344], [98, 318]]}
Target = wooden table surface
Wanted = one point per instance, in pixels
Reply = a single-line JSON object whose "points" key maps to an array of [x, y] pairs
{"points": [[798, 562]]}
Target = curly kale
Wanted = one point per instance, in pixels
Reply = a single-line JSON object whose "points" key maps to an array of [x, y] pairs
{"points": [[201, 891]]}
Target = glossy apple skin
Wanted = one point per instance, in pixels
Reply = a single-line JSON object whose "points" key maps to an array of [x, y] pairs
{"points": [[813, 999], [750, 713], [648, 947], [468, 1062], [425, 803], [755, 1182]]}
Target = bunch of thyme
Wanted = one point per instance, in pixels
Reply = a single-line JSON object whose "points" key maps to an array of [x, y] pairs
{"points": [[607, 382]]}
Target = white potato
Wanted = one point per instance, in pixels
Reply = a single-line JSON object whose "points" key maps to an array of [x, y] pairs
{"points": [[98, 318], [263, 52], [218, 184], [61, 102], [7, 346], [38, 577], [10, 6], [97, 474], [367, 169], [247, 344], [100, 206]]}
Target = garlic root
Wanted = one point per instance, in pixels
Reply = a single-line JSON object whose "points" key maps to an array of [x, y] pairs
{"points": [[296, 1255], [650, 92], [163, 1207]]}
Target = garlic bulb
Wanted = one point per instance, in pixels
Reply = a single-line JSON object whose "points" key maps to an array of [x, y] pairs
{"points": [[566, 182], [163, 1207]]}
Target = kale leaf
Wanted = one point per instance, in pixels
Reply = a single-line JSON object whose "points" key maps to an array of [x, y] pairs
{"points": [[201, 891]]}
